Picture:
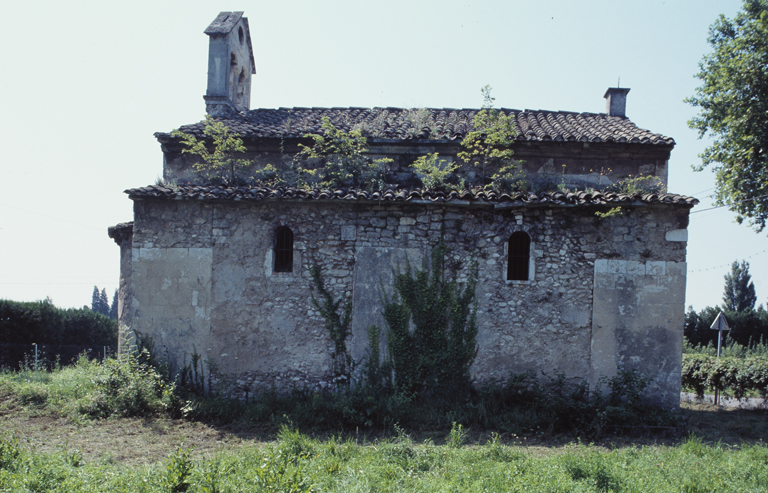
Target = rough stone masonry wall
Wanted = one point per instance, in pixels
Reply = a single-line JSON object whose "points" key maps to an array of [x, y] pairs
{"points": [[202, 281]]}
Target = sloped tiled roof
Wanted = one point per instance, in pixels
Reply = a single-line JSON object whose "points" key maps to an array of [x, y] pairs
{"points": [[431, 123], [221, 193]]}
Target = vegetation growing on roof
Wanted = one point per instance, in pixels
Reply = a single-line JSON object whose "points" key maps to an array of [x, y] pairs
{"points": [[219, 155], [434, 171], [490, 144], [337, 159]]}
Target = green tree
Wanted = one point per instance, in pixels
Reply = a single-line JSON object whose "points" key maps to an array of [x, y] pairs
{"points": [[104, 302], [220, 153], [342, 160], [490, 144], [113, 308], [96, 300], [42, 323], [733, 103], [739, 293], [100, 301], [433, 171]]}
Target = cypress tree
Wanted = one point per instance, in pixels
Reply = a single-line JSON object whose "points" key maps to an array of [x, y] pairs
{"points": [[104, 302], [95, 297], [739, 293], [113, 308]]}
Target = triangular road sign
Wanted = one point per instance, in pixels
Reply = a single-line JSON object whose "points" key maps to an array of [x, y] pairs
{"points": [[720, 323]]}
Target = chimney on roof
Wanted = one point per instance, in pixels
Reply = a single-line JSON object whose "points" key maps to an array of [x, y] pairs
{"points": [[230, 65], [616, 101]]}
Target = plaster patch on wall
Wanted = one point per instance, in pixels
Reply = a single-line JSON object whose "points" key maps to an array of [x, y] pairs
{"points": [[174, 299], [677, 235], [637, 323]]}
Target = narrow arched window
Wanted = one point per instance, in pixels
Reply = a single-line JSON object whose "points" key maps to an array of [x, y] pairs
{"points": [[283, 249], [519, 251], [232, 76], [241, 87]]}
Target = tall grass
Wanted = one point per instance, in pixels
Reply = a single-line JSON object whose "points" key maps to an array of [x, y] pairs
{"points": [[93, 389], [297, 463], [524, 404]]}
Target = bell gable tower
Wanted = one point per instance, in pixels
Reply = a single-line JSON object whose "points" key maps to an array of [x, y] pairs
{"points": [[230, 65]]}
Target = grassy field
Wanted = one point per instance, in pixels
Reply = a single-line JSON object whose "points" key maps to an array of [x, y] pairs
{"points": [[58, 435]]}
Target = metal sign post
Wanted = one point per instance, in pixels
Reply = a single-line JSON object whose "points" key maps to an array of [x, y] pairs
{"points": [[720, 324]]}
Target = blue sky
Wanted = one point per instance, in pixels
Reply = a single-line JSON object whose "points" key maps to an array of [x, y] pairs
{"points": [[85, 84]]}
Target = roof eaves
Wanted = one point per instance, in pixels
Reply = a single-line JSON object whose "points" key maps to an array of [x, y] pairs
{"points": [[415, 196]]}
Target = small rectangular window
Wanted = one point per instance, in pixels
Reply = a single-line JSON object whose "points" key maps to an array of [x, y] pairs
{"points": [[519, 256], [283, 249]]}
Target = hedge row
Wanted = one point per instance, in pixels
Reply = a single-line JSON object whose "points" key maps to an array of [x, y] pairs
{"points": [[42, 323], [737, 375]]}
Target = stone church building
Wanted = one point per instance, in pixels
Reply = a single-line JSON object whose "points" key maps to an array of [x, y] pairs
{"points": [[223, 270]]}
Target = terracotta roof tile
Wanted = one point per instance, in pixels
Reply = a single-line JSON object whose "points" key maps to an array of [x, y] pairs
{"points": [[431, 123], [215, 193]]}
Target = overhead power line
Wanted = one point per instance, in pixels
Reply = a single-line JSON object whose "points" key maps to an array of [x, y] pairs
{"points": [[728, 205], [728, 264]]}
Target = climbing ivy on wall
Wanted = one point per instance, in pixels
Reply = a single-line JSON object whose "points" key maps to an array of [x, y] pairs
{"points": [[431, 326], [337, 315]]}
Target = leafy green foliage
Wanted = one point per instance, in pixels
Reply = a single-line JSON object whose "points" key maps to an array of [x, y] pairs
{"points": [[337, 320], [729, 349], [747, 327], [613, 211], [438, 352], [269, 176], [42, 323], [178, 471], [400, 464], [113, 309], [457, 436], [126, 387], [218, 153], [93, 389], [9, 452], [733, 104], [509, 178], [737, 375], [99, 301], [433, 171], [376, 374], [490, 143], [632, 185], [341, 160], [739, 294]]}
